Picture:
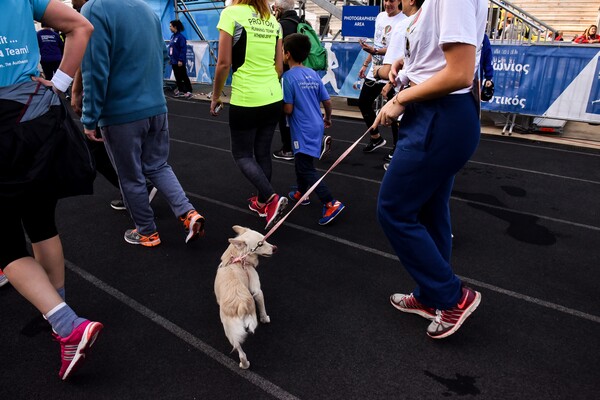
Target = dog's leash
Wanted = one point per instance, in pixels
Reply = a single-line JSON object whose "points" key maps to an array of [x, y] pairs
{"points": [[312, 188]]}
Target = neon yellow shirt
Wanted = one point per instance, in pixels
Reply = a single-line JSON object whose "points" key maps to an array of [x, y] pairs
{"points": [[254, 81]]}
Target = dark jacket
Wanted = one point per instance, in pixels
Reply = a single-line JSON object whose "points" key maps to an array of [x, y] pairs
{"points": [[289, 21], [486, 66], [177, 48]]}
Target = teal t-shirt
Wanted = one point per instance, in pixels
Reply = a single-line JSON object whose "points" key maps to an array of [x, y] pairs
{"points": [[19, 51]]}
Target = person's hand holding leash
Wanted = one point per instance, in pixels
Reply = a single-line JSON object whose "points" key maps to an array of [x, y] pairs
{"points": [[216, 106], [389, 113]]}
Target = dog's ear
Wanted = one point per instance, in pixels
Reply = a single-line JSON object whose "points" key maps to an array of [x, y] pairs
{"points": [[238, 244], [239, 229]]}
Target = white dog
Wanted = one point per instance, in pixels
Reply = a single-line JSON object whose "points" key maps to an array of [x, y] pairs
{"points": [[237, 287]]}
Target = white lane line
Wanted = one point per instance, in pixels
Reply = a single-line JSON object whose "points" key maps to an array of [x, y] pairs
{"points": [[184, 335], [529, 171], [390, 256], [360, 122]]}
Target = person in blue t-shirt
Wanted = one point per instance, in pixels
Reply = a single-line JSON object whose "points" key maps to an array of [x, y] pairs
{"points": [[302, 93], [178, 59]]}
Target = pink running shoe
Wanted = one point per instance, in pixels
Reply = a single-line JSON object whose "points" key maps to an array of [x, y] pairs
{"points": [[73, 349]]}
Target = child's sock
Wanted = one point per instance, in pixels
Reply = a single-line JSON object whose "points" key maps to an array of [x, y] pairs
{"points": [[61, 293], [63, 319]]}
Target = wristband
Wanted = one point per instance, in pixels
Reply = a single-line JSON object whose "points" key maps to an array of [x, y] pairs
{"points": [[61, 81]]}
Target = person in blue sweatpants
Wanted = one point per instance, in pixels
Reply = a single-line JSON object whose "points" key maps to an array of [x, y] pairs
{"points": [[438, 134]]}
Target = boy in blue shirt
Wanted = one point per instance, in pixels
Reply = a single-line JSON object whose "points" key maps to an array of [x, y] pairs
{"points": [[302, 93]]}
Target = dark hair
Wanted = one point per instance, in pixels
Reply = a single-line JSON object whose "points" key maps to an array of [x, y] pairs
{"points": [[177, 25], [298, 45]]}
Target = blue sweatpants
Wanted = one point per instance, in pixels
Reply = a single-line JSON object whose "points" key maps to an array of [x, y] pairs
{"points": [[139, 150], [436, 139]]}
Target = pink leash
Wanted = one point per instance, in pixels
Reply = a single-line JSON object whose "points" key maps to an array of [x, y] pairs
{"points": [[312, 188]]}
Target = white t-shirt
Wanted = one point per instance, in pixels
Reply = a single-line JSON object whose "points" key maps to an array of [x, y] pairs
{"points": [[439, 22], [384, 26], [395, 48]]}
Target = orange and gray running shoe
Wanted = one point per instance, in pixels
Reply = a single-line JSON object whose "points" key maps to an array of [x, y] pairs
{"points": [[193, 224], [132, 236]]}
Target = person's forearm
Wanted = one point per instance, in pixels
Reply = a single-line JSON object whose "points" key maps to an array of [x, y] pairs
{"points": [[221, 72], [77, 33], [328, 109]]}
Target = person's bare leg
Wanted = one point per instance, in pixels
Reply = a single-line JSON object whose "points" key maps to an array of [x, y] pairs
{"points": [[49, 253], [30, 279]]}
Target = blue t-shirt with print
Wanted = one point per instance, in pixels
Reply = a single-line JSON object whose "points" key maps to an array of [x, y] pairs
{"points": [[302, 87], [19, 52]]}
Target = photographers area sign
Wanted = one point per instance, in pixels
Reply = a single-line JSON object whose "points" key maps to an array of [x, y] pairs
{"points": [[359, 21]]}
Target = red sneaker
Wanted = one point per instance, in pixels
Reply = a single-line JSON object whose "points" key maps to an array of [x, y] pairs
{"points": [[73, 349], [253, 205], [447, 322], [409, 304], [275, 210]]}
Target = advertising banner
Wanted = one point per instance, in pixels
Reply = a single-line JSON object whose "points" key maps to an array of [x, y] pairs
{"points": [[198, 58], [547, 81]]}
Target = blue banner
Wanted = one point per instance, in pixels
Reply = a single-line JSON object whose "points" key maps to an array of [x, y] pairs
{"points": [[550, 81], [359, 21]]}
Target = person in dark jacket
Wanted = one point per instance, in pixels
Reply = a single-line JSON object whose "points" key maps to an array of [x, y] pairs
{"points": [[178, 59], [51, 50], [486, 70], [289, 20]]}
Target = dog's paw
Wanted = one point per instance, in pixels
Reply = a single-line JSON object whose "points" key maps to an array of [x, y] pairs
{"points": [[244, 365], [265, 319]]}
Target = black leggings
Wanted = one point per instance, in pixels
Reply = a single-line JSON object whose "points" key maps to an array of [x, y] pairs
{"points": [[31, 213], [369, 92], [181, 78]]}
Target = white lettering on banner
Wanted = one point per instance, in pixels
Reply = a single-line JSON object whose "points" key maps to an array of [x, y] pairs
{"points": [[359, 24], [509, 101], [359, 18], [502, 65]]}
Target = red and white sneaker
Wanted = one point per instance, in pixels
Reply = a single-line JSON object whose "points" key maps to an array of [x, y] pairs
{"points": [[274, 209], [447, 322], [253, 205], [75, 347], [409, 304]]}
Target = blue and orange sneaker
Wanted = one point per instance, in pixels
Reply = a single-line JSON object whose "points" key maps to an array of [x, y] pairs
{"points": [[295, 196], [330, 211]]}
